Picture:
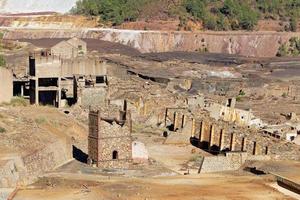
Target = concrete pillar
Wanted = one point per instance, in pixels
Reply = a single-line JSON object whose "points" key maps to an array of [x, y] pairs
{"points": [[193, 128], [175, 122], [158, 118], [22, 90], [221, 141], [59, 93], [129, 119], [37, 91], [233, 102], [202, 133], [183, 121], [166, 116], [254, 152], [244, 144], [266, 150], [232, 142], [211, 135]]}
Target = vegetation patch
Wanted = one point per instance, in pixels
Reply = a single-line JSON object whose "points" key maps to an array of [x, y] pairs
{"points": [[2, 61], [214, 15], [290, 48], [2, 130], [40, 120], [18, 101]]}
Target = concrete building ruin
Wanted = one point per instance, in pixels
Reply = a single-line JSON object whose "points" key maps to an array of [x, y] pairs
{"points": [[282, 131], [62, 75], [110, 141], [229, 113], [71, 48]]}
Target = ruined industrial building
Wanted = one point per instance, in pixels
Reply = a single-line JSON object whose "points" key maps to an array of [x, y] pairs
{"points": [[98, 113]]}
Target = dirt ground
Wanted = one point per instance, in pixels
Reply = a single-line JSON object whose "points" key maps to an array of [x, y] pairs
{"points": [[287, 169], [217, 186]]}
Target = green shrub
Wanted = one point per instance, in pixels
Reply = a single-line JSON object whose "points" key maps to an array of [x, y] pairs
{"points": [[284, 95], [239, 99], [2, 130], [242, 93]]}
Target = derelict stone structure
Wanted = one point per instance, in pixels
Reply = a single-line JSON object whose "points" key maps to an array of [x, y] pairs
{"points": [[214, 138], [110, 141]]}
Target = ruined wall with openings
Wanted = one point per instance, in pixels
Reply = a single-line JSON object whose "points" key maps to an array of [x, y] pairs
{"points": [[217, 136]]}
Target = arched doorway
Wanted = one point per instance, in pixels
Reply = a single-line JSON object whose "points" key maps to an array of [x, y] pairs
{"points": [[115, 155]]}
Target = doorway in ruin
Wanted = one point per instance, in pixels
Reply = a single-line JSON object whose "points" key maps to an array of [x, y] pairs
{"points": [[115, 155], [48, 98]]}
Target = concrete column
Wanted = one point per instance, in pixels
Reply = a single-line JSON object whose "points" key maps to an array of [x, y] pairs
{"points": [[221, 141], [166, 116], [193, 128], [158, 118], [211, 135], [129, 119], [202, 133], [183, 121], [266, 150], [254, 152], [22, 90], [59, 93], [244, 144], [37, 91], [175, 121], [232, 142]]}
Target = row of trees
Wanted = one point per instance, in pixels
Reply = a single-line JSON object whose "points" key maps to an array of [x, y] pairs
{"points": [[114, 11], [215, 14], [230, 15]]}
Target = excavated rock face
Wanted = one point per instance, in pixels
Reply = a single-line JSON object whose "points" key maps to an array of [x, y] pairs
{"points": [[258, 44]]}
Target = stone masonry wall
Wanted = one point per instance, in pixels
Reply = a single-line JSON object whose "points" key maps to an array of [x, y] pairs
{"points": [[25, 170]]}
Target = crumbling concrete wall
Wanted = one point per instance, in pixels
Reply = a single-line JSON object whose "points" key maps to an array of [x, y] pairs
{"points": [[6, 85], [69, 49], [55, 66]]}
